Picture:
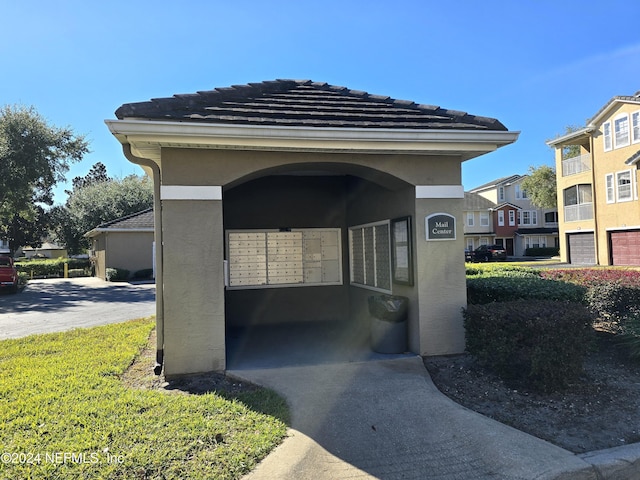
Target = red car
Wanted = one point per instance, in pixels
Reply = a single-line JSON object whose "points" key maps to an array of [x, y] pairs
{"points": [[8, 274]]}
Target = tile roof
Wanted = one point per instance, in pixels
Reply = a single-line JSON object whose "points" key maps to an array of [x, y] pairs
{"points": [[302, 103], [635, 98], [136, 221]]}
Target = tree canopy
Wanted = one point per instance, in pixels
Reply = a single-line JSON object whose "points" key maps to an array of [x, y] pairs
{"points": [[540, 186], [96, 201], [34, 156]]}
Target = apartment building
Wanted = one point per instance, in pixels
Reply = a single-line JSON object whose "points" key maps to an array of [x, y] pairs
{"points": [[513, 221], [597, 178]]}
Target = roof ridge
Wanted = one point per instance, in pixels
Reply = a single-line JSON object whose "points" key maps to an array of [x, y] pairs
{"points": [[126, 217]]}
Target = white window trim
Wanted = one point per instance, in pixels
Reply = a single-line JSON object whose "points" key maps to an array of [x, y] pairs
{"points": [[512, 218], [631, 186], [626, 143], [610, 187], [501, 193], [470, 219], [501, 218], [607, 138], [533, 217], [635, 126], [484, 219]]}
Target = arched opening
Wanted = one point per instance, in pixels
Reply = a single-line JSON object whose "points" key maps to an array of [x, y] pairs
{"points": [[292, 299]]}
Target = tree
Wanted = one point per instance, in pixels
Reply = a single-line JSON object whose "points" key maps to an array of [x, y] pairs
{"points": [[34, 156], [540, 186], [97, 203], [97, 174]]}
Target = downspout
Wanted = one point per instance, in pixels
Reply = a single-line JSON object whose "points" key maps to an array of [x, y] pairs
{"points": [[157, 220], [596, 243]]}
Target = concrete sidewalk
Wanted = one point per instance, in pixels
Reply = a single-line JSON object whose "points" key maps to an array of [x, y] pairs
{"points": [[385, 419]]}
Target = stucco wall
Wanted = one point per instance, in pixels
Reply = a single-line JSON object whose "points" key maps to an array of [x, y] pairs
{"points": [[617, 215], [130, 250], [194, 286], [441, 281], [369, 203], [376, 187]]}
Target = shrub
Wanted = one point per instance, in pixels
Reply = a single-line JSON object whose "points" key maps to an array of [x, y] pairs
{"points": [[613, 301], [542, 252], [482, 290], [541, 344], [144, 273], [50, 267], [116, 274], [630, 335], [594, 276], [492, 270], [77, 272]]}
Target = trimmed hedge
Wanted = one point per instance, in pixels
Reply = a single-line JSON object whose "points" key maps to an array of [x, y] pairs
{"points": [[483, 290], [51, 267], [542, 252], [116, 274], [541, 344]]}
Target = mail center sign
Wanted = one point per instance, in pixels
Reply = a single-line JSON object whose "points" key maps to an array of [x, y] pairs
{"points": [[440, 226]]}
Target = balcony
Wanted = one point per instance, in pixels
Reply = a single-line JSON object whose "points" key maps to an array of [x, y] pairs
{"points": [[574, 213], [574, 165]]}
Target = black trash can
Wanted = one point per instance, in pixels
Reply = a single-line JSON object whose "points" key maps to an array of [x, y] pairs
{"points": [[388, 323]]}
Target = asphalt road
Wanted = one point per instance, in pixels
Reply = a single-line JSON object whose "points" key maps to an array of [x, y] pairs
{"points": [[54, 305]]}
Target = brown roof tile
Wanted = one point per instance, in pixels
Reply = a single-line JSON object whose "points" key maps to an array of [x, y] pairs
{"points": [[302, 103]]}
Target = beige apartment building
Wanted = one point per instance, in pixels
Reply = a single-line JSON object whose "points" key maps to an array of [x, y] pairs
{"points": [[597, 180]]}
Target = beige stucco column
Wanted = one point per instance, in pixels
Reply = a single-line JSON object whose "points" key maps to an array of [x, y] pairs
{"points": [[193, 264], [440, 274]]}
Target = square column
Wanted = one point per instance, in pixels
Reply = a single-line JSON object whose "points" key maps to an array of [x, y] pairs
{"points": [[440, 276], [193, 272]]}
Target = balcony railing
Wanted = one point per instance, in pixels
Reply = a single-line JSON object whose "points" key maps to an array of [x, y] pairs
{"points": [[583, 211], [579, 164]]}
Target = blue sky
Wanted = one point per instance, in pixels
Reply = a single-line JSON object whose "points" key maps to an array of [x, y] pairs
{"points": [[537, 66]]}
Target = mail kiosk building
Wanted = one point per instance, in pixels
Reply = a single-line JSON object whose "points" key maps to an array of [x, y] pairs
{"points": [[294, 201]]}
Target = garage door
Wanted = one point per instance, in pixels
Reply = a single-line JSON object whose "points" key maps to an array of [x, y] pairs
{"points": [[625, 247], [582, 249]]}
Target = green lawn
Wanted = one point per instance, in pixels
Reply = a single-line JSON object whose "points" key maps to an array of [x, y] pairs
{"points": [[65, 413]]}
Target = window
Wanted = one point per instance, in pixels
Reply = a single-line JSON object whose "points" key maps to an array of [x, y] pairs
{"points": [[484, 219], [623, 180], [470, 219], [512, 218], [528, 217], [635, 127], [501, 194], [611, 194], [520, 192], [621, 131], [369, 246], [501, 218], [551, 217], [578, 194], [578, 203], [606, 133]]}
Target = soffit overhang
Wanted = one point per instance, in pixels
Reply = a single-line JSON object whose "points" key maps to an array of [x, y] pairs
{"points": [[147, 139]]}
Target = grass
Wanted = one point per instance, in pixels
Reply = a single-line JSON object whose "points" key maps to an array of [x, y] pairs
{"points": [[65, 413]]}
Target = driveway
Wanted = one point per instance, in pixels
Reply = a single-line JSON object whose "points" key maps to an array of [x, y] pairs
{"points": [[54, 305]]}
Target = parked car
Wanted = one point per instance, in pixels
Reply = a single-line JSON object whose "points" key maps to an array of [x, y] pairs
{"points": [[486, 253], [468, 255], [8, 274]]}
